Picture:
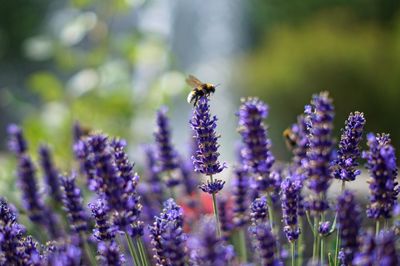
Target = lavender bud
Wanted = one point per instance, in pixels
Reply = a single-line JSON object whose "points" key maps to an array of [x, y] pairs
{"points": [[259, 211], [344, 166], [72, 200], [381, 163], [366, 253], [240, 188], [50, 173], [205, 160], [265, 244], [103, 230], [386, 249], [257, 146], [17, 142], [212, 251], [290, 191], [324, 228], [349, 223], [320, 124], [167, 236], [166, 153], [212, 187], [110, 254]]}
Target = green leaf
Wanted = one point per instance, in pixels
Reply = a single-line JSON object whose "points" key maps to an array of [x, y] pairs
{"points": [[47, 85]]}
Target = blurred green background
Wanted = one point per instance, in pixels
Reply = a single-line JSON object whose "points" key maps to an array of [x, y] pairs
{"points": [[111, 64]]}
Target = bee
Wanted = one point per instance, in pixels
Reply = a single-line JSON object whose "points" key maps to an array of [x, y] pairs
{"points": [[290, 138], [200, 89]]}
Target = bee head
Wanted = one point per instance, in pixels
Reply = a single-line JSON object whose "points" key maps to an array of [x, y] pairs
{"points": [[210, 87]]}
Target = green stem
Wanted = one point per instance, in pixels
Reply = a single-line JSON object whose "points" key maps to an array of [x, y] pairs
{"points": [[216, 215], [142, 251], [310, 223], [300, 246], [316, 240], [86, 247], [270, 212], [292, 245], [377, 227], [242, 245], [132, 249]]}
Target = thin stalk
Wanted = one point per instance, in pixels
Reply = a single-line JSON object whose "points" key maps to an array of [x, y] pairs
{"points": [[316, 240], [270, 212], [337, 243], [132, 249], [386, 226], [330, 260], [322, 242], [292, 247], [377, 227], [310, 223], [216, 215], [242, 245], [86, 247], [300, 246], [142, 250]]}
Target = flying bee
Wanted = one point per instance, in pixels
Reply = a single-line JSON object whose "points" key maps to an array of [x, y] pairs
{"points": [[290, 138], [200, 89]]}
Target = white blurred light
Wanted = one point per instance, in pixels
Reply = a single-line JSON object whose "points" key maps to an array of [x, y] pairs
{"points": [[74, 31], [54, 114], [38, 48], [83, 81], [172, 82]]}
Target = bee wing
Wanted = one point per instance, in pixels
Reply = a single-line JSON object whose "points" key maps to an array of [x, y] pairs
{"points": [[193, 81]]}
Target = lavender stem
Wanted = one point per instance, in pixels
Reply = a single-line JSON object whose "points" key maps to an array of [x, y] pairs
{"points": [[242, 245], [337, 230], [215, 207], [292, 252], [132, 249]]}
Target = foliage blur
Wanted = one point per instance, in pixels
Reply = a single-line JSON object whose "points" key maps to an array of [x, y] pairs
{"points": [[94, 61]]}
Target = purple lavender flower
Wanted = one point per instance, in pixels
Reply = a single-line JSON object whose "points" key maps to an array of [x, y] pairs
{"points": [[17, 142], [225, 218], [290, 191], [72, 200], [324, 228], [110, 254], [265, 244], [300, 135], [153, 172], [212, 187], [69, 254], [344, 166], [116, 183], [87, 164], [259, 211], [240, 188], [205, 160], [166, 153], [256, 151], [10, 235], [210, 250], [103, 230], [386, 249], [319, 118], [167, 236], [30, 254], [349, 223], [381, 163], [32, 201], [189, 180], [50, 172], [366, 254]]}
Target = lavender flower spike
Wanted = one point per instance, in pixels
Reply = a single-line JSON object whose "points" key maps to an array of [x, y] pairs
{"points": [[240, 189], [211, 250], [256, 151], [349, 223], [259, 211], [17, 142], [110, 254], [344, 166], [103, 230], [290, 195], [381, 163], [167, 156], [320, 123], [366, 254], [72, 200], [205, 160], [50, 172], [167, 236], [386, 249], [265, 244]]}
